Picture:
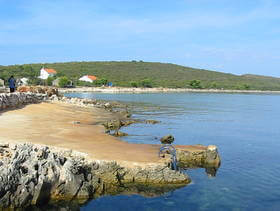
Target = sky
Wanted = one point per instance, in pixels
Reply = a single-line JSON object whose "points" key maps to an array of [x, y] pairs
{"points": [[234, 36]]}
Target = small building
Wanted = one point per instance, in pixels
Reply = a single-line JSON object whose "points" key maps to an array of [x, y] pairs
{"points": [[88, 78], [47, 72], [2, 82]]}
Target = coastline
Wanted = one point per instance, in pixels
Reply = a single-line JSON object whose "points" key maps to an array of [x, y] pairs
{"points": [[159, 90], [79, 161]]}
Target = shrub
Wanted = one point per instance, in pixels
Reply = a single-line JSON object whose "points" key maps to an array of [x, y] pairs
{"points": [[133, 84], [246, 86], [146, 83], [195, 84], [63, 81], [84, 83], [100, 82], [213, 85], [49, 81], [35, 81]]}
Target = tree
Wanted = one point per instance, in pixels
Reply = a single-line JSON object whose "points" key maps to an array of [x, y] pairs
{"points": [[213, 85], [195, 84], [49, 81], [103, 81], [100, 82], [63, 81], [35, 81], [146, 83], [246, 86], [133, 84]]}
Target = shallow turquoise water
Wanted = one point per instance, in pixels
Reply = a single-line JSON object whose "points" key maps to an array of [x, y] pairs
{"points": [[246, 129]]}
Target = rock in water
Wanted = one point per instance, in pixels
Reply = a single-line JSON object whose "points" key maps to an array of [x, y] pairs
{"points": [[119, 134], [168, 139]]}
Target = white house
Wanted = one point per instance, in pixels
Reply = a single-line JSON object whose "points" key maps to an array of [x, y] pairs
{"points": [[47, 72], [88, 78]]}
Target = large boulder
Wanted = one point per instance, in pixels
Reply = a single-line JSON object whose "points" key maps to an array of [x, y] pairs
{"points": [[168, 139]]}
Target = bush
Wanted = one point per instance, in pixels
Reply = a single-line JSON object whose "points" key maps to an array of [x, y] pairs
{"points": [[35, 81], [134, 84], [49, 81], [100, 82], [195, 84], [84, 83], [63, 81], [246, 86], [214, 85], [146, 83], [242, 87]]}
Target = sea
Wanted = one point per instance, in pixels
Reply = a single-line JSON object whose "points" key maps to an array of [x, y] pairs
{"points": [[244, 127]]}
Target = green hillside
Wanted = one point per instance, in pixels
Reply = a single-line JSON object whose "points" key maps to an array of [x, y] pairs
{"points": [[147, 74]]}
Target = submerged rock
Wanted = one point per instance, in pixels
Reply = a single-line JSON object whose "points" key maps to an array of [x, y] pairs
{"points": [[150, 121], [120, 134]]}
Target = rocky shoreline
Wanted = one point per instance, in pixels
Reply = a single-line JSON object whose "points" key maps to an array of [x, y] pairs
{"points": [[33, 174]]}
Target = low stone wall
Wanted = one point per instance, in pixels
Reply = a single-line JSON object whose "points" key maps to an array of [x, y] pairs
{"points": [[12, 100], [34, 174]]}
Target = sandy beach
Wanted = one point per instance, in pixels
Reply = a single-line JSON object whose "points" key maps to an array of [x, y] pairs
{"points": [[52, 124]]}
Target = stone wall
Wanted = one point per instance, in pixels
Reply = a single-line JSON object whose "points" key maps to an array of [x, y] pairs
{"points": [[34, 174], [12, 100]]}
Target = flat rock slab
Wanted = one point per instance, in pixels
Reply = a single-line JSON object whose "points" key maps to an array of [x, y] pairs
{"points": [[53, 124]]}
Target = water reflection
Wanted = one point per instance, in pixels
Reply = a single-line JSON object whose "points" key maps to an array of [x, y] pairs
{"points": [[211, 171], [146, 191]]}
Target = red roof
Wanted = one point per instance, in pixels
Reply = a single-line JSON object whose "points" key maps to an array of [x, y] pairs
{"points": [[52, 71], [92, 77]]}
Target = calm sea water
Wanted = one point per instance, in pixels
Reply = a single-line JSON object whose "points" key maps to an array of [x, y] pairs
{"points": [[246, 129]]}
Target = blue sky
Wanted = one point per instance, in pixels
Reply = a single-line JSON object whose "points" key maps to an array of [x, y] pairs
{"points": [[235, 36]]}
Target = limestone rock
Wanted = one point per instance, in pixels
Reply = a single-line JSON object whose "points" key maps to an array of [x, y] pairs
{"points": [[168, 139], [12, 100], [34, 174], [120, 134]]}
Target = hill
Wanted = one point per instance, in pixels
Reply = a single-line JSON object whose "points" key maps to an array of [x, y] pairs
{"points": [[147, 74]]}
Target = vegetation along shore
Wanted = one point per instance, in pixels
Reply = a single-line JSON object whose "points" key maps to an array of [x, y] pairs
{"points": [[143, 74]]}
